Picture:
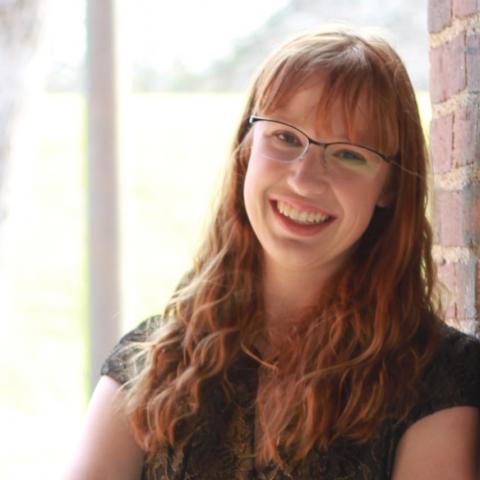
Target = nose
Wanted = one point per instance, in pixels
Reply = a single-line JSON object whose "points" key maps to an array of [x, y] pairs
{"points": [[309, 173]]}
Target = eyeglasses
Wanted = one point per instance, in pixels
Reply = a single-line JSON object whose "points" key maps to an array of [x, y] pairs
{"points": [[283, 142]]}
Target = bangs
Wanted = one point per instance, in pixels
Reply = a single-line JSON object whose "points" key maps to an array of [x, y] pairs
{"points": [[352, 77]]}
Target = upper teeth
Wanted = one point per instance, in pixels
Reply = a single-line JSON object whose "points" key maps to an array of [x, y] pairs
{"points": [[299, 216]]}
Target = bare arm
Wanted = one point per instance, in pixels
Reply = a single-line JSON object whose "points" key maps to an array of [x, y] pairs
{"points": [[107, 450], [441, 446]]}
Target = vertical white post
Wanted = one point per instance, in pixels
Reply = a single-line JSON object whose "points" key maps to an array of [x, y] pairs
{"points": [[103, 242]]}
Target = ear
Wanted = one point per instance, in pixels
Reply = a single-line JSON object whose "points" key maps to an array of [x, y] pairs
{"points": [[387, 194], [385, 199]]}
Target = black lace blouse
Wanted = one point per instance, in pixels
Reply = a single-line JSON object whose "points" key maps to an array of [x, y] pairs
{"points": [[223, 446]]}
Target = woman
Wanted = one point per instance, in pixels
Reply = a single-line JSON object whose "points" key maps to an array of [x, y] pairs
{"points": [[305, 342]]}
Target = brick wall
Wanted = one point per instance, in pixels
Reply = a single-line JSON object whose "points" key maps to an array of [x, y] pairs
{"points": [[454, 27]]}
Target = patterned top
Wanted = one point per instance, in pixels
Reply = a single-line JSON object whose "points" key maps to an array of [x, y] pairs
{"points": [[223, 446]]}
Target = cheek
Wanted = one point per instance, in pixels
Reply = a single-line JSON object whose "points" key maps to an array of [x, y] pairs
{"points": [[368, 194], [261, 175], [359, 204], [251, 188], [247, 193], [257, 179], [368, 200]]}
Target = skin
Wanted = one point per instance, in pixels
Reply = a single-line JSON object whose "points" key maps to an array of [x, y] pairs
{"points": [[441, 446], [106, 448]]}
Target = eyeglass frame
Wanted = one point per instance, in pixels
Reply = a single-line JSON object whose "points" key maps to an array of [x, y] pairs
{"points": [[392, 159]]}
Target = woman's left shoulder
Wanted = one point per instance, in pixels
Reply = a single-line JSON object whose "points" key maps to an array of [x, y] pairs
{"points": [[439, 437], [453, 376], [458, 352]]}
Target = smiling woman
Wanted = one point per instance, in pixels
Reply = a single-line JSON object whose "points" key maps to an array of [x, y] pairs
{"points": [[306, 340]]}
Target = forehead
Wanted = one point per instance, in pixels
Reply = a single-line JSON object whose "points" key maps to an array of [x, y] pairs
{"points": [[320, 114], [366, 114]]}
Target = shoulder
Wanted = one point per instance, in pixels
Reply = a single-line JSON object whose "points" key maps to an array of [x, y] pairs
{"points": [[456, 344], [142, 332], [453, 376], [443, 445], [126, 359], [440, 437], [106, 447]]}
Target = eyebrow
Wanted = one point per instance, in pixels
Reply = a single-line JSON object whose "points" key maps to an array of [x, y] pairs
{"points": [[295, 124]]}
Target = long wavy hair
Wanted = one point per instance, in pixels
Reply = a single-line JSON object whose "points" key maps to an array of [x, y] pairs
{"points": [[346, 363]]}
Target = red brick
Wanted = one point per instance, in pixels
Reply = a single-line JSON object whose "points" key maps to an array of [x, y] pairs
{"points": [[447, 69], [448, 218], [456, 217], [462, 8], [455, 61], [459, 280], [477, 291], [439, 15], [465, 277], [446, 275], [472, 52], [471, 215], [441, 132], [437, 84], [466, 134]]}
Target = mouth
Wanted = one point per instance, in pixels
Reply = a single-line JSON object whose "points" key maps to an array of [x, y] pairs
{"points": [[301, 217]]}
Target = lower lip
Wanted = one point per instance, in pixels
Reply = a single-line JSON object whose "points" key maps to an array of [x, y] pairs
{"points": [[298, 228]]}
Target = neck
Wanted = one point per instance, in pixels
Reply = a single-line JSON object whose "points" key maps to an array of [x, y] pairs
{"points": [[288, 294]]}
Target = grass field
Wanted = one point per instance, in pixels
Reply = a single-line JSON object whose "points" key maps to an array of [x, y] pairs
{"points": [[172, 148]]}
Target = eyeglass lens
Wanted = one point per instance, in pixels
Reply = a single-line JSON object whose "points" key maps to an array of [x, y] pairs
{"points": [[286, 144]]}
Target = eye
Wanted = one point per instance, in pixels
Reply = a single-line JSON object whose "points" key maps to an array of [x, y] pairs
{"points": [[288, 138], [349, 155]]}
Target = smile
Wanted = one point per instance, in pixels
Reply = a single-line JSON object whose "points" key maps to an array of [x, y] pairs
{"points": [[301, 217]]}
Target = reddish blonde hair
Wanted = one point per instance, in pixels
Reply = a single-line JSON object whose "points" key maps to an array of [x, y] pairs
{"points": [[365, 346]]}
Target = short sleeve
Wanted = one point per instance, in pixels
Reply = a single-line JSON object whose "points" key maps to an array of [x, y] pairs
{"points": [[124, 363], [453, 377]]}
